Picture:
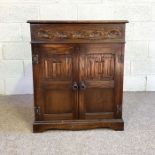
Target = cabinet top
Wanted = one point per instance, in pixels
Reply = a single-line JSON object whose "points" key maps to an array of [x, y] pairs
{"points": [[77, 21]]}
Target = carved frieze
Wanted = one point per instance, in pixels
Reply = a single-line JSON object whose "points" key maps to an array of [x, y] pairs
{"points": [[87, 34]]}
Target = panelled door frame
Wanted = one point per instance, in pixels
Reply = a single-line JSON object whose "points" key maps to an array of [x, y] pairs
{"points": [[79, 108], [39, 91], [117, 85]]}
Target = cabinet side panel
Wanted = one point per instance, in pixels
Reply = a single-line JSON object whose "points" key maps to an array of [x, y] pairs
{"points": [[118, 90]]}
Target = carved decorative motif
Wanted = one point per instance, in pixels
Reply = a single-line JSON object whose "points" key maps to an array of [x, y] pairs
{"points": [[58, 67], [97, 66], [88, 34]]}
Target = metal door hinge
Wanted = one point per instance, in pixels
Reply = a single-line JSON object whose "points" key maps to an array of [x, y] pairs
{"points": [[35, 59], [119, 108], [121, 58], [37, 110]]}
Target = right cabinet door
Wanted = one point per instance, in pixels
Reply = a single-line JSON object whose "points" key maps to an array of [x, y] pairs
{"points": [[100, 81]]}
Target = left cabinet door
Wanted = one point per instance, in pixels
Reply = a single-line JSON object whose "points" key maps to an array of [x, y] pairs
{"points": [[55, 89]]}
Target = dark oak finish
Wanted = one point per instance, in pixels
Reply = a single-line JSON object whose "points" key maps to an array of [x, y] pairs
{"points": [[115, 124], [75, 33], [77, 21], [78, 74]]}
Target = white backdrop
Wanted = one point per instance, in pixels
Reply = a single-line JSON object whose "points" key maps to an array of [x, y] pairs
{"points": [[15, 52]]}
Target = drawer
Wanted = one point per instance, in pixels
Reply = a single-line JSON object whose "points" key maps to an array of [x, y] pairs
{"points": [[77, 33]]}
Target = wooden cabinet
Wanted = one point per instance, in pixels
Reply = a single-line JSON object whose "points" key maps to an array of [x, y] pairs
{"points": [[77, 74]]}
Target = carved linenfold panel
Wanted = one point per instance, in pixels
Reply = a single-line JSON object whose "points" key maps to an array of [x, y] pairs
{"points": [[86, 34], [97, 66], [58, 67]]}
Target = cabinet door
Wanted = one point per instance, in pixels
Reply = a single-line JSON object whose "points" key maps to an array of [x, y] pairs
{"points": [[98, 75], [54, 76]]}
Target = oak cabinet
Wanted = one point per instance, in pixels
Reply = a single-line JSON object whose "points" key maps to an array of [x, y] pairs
{"points": [[77, 74]]}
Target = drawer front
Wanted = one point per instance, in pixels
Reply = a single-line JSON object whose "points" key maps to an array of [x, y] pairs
{"points": [[77, 33]]}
